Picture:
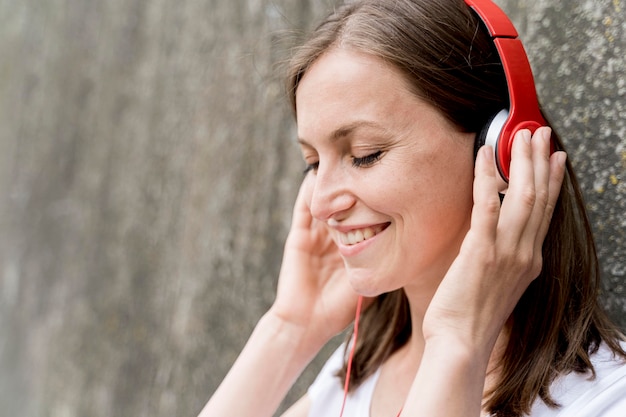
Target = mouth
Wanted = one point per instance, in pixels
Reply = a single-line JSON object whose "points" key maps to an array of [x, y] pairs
{"points": [[359, 235]]}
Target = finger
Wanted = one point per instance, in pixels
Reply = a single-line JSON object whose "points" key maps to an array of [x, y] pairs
{"points": [[520, 197], [486, 202], [557, 174], [302, 218], [540, 145]]}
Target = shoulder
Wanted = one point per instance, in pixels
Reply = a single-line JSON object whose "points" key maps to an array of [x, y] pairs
{"points": [[581, 395], [328, 373], [327, 392]]}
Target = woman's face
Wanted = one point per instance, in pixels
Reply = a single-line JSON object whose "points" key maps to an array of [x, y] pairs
{"points": [[389, 175]]}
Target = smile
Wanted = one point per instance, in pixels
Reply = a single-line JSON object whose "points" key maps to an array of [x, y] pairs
{"points": [[359, 235]]}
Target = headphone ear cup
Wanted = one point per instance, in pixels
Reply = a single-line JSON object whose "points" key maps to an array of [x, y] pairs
{"points": [[490, 135], [481, 136]]}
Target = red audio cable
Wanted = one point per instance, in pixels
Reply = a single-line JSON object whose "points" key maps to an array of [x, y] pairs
{"points": [[351, 355]]}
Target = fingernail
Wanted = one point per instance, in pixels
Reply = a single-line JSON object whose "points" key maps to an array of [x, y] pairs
{"points": [[487, 152], [525, 134], [546, 133]]}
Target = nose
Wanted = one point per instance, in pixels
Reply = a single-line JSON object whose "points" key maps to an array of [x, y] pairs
{"points": [[331, 197]]}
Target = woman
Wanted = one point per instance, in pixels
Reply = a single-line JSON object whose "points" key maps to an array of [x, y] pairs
{"points": [[476, 304]]}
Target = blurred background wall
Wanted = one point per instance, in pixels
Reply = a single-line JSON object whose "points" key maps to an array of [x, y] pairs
{"points": [[147, 174]]}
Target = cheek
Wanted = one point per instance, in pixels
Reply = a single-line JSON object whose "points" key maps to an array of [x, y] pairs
{"points": [[454, 174], [434, 194]]}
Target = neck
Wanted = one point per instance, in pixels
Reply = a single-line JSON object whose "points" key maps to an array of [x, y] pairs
{"points": [[399, 370], [412, 352]]}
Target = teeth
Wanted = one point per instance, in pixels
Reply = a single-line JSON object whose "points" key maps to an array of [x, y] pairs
{"points": [[356, 236]]}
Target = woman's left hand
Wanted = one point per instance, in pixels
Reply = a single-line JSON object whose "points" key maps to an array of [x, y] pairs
{"points": [[499, 257], [502, 252]]}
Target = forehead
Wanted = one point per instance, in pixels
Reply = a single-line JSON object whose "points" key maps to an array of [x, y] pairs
{"points": [[344, 86], [340, 70]]}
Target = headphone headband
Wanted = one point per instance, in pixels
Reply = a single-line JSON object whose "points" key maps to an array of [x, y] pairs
{"points": [[524, 112]]}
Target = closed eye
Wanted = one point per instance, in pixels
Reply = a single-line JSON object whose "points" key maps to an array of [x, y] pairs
{"points": [[311, 167], [367, 160]]}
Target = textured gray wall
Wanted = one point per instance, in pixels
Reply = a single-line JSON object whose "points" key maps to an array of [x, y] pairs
{"points": [[147, 174]]}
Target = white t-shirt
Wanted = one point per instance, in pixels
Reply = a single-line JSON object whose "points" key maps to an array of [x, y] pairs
{"points": [[578, 395]]}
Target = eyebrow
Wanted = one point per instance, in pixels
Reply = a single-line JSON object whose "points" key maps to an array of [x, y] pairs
{"points": [[347, 130]]}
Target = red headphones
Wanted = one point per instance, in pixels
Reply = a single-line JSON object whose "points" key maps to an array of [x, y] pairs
{"points": [[523, 111]]}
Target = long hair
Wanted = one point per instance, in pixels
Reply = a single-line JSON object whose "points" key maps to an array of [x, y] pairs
{"points": [[449, 60]]}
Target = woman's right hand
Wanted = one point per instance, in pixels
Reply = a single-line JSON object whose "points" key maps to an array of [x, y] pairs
{"points": [[313, 290], [314, 302]]}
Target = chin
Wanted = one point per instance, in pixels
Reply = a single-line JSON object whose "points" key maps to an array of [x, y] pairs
{"points": [[367, 283]]}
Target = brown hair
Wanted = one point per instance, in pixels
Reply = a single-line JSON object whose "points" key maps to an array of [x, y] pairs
{"points": [[449, 60]]}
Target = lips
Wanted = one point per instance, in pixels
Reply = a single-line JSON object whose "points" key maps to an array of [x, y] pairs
{"points": [[355, 236]]}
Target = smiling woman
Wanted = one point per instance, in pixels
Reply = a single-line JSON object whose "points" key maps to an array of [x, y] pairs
{"points": [[418, 192], [476, 303]]}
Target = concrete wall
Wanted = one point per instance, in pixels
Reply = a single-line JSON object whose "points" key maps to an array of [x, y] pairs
{"points": [[147, 173]]}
